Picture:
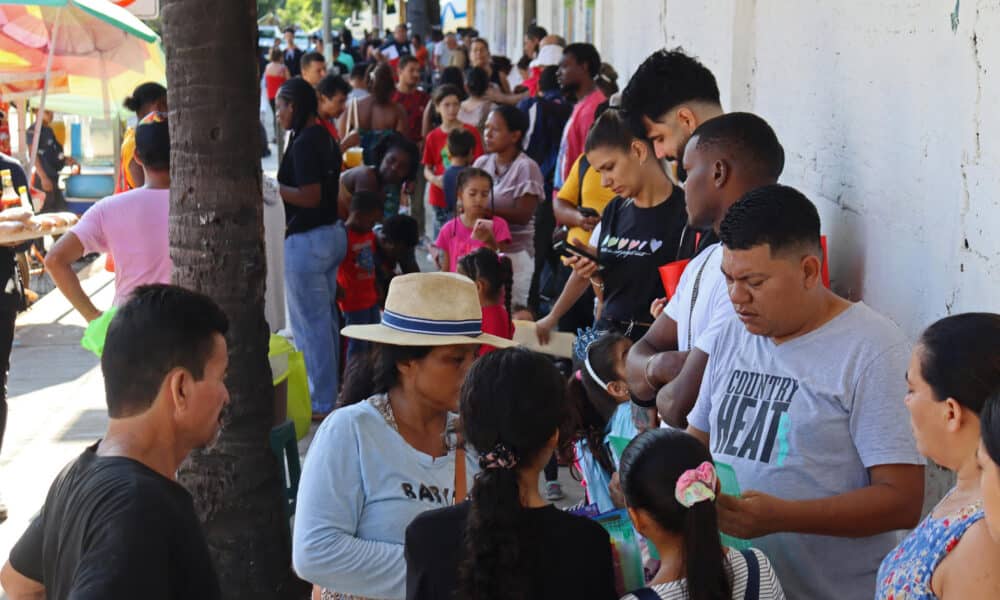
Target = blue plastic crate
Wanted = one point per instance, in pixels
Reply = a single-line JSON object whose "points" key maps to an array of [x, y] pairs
{"points": [[90, 185]]}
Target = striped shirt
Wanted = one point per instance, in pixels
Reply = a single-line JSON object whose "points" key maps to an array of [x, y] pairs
{"points": [[770, 587]]}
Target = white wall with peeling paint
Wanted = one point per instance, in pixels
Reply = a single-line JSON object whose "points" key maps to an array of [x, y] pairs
{"points": [[889, 119]]}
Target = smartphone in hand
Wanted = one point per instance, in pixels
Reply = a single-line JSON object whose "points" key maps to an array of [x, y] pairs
{"points": [[568, 250]]}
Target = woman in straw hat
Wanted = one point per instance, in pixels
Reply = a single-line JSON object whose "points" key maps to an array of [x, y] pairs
{"points": [[376, 464]]}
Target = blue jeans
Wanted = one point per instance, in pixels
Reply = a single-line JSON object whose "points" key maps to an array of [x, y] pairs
{"points": [[441, 218], [365, 316], [311, 262]]}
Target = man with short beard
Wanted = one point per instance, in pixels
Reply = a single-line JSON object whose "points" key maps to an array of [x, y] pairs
{"points": [[669, 96], [115, 523]]}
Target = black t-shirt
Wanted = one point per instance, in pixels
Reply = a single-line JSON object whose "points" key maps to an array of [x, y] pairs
{"points": [[634, 243], [50, 153], [566, 556], [293, 61], [339, 69], [312, 158], [11, 294], [113, 528], [394, 50]]}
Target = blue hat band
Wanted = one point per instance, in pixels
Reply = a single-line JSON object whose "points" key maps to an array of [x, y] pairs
{"points": [[472, 327]]}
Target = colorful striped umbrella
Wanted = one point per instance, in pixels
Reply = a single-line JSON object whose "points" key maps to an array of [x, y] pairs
{"points": [[96, 51]]}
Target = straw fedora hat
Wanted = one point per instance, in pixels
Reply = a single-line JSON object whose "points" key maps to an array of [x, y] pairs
{"points": [[429, 309]]}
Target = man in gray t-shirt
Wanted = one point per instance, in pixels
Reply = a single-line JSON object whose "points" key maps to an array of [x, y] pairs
{"points": [[803, 397]]}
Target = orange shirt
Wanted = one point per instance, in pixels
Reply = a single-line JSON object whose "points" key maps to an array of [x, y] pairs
{"points": [[421, 55]]}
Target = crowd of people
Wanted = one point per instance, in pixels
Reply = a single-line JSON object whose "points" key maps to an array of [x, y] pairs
{"points": [[753, 428]]}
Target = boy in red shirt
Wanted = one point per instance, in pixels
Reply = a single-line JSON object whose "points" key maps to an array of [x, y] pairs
{"points": [[356, 293]]}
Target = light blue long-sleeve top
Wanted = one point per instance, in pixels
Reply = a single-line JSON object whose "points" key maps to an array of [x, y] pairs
{"points": [[596, 478], [361, 485]]}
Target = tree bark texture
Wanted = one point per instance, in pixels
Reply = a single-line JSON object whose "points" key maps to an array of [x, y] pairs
{"points": [[216, 243]]}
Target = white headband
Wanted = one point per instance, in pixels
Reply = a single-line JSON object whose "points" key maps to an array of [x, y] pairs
{"points": [[592, 373]]}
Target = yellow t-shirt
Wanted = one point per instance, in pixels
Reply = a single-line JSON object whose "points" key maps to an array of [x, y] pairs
{"points": [[125, 182], [595, 195]]}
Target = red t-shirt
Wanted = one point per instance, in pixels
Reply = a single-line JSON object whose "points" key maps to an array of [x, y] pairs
{"points": [[436, 157], [415, 102], [496, 322], [356, 275]]}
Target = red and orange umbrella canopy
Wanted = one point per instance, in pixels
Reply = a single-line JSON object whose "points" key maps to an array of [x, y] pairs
{"points": [[100, 50]]}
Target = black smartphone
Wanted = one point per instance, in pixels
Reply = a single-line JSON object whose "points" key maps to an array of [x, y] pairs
{"points": [[588, 212], [564, 248]]}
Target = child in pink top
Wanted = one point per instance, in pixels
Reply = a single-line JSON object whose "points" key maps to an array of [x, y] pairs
{"points": [[131, 226], [475, 227], [494, 276]]}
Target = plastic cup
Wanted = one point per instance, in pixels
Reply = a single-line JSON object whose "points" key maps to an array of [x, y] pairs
{"points": [[670, 275], [353, 157]]}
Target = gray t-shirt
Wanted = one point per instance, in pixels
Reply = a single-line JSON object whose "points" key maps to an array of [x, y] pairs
{"points": [[805, 420]]}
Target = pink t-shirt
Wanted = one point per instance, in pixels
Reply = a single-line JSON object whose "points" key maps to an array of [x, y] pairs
{"points": [[132, 227], [575, 132], [456, 239]]}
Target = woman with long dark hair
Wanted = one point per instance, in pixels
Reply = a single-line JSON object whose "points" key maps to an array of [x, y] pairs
{"points": [[518, 187], [378, 462], [378, 116], [315, 238], [953, 369], [506, 542], [670, 486], [476, 106], [641, 229]]}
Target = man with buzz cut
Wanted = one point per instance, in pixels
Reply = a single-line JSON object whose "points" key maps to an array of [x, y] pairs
{"points": [[803, 398]]}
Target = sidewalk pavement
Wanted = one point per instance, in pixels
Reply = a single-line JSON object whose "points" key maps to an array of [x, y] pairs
{"points": [[55, 402]]}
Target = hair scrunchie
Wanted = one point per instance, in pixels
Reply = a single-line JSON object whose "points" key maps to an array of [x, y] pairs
{"points": [[696, 485], [500, 457]]}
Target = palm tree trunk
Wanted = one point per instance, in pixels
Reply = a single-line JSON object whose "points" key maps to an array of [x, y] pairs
{"points": [[216, 243]]}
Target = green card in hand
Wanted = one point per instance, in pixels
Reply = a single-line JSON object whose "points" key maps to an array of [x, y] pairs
{"points": [[730, 486]]}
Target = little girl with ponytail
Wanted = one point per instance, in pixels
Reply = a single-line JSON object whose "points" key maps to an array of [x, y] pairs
{"points": [[670, 486], [494, 277]]}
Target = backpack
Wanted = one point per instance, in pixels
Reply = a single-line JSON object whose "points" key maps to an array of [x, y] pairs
{"points": [[753, 581], [546, 135]]}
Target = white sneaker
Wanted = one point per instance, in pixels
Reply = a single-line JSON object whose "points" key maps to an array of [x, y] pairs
{"points": [[553, 491]]}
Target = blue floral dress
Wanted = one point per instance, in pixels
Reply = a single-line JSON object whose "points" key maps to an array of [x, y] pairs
{"points": [[907, 571]]}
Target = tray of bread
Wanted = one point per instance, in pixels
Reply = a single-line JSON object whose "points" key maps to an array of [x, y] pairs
{"points": [[19, 224]]}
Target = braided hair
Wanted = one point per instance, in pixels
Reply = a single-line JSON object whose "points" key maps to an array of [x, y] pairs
{"points": [[495, 269], [302, 97], [512, 404]]}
